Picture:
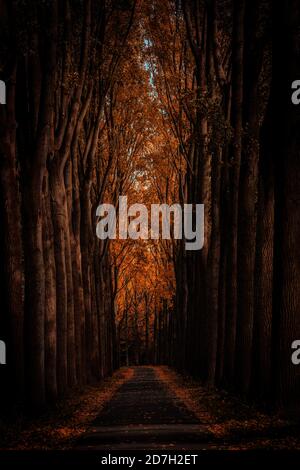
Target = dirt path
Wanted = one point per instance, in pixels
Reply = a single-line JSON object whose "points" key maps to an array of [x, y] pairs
{"points": [[145, 413]]}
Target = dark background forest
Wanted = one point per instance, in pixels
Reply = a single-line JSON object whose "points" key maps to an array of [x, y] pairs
{"points": [[163, 101]]}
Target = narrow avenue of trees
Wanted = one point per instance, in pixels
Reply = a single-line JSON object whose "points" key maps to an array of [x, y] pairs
{"points": [[164, 102]]}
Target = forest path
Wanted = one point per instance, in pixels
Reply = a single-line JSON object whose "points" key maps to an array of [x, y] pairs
{"points": [[145, 414]]}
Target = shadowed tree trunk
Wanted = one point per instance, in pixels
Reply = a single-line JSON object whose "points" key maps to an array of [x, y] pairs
{"points": [[237, 123], [262, 331], [50, 295], [58, 197], [286, 324], [248, 189], [13, 251], [39, 115]]}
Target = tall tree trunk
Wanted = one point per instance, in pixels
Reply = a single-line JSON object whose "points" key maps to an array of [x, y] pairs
{"points": [[248, 189], [286, 324], [213, 272], [50, 297], [58, 197], [34, 294], [87, 272], [79, 313], [237, 123], [13, 251], [72, 352], [262, 332]]}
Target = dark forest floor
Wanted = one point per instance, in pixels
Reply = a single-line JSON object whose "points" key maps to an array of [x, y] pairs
{"points": [[234, 424], [151, 407]]}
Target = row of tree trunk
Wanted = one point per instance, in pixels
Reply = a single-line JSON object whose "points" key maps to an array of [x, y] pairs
{"points": [[237, 303], [56, 290]]}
